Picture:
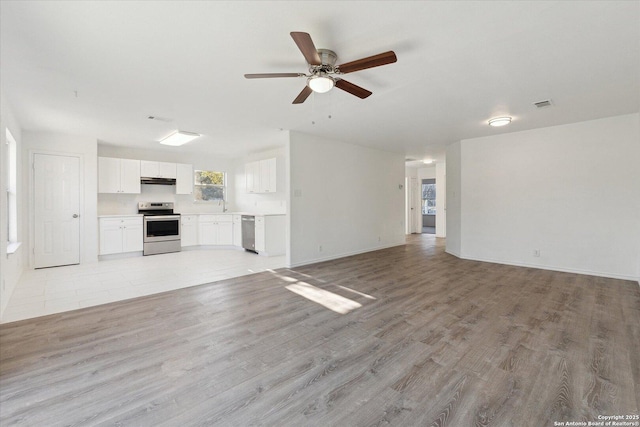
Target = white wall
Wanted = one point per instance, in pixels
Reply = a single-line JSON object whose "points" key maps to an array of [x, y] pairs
{"points": [[454, 199], [428, 172], [441, 200], [11, 266], [117, 204], [87, 148], [572, 192], [344, 197]]}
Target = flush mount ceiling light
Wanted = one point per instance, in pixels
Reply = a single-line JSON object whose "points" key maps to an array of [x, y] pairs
{"points": [[320, 83], [500, 121], [179, 137]]}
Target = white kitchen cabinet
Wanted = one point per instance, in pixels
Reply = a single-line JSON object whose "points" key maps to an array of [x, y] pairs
{"points": [[225, 233], [260, 176], [130, 176], [260, 234], [215, 229], [149, 169], [132, 235], [189, 230], [252, 176], [271, 234], [184, 179], [268, 175], [237, 230], [118, 175], [207, 233], [121, 234]]}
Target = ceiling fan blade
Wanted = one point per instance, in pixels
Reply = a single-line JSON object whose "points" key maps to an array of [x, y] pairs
{"points": [[306, 46], [368, 62], [352, 89], [303, 95], [271, 75]]}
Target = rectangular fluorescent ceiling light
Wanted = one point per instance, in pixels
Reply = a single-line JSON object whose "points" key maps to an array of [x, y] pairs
{"points": [[179, 137]]}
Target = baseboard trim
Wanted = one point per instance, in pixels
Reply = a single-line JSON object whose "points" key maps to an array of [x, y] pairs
{"points": [[553, 268], [454, 253], [345, 254]]}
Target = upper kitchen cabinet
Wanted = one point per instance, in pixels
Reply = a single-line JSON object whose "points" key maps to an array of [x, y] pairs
{"points": [[252, 176], [268, 175], [150, 169], [118, 175], [261, 176], [184, 179]]}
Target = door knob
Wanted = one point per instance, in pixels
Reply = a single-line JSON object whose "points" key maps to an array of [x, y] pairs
{"points": [[76, 215]]}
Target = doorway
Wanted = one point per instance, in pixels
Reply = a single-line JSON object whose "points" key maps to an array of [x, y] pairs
{"points": [[56, 201], [428, 206]]}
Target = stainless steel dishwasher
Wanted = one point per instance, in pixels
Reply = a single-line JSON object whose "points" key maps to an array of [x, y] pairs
{"points": [[249, 232]]}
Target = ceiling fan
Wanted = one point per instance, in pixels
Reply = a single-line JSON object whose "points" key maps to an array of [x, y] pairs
{"points": [[323, 73]]}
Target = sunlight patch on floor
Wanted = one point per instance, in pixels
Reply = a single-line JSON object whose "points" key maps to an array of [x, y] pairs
{"points": [[355, 292], [332, 301]]}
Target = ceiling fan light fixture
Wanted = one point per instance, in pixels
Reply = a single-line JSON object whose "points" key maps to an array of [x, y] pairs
{"points": [[179, 137], [499, 121], [321, 83]]}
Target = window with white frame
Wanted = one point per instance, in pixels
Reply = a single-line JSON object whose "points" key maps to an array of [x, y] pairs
{"points": [[12, 196], [209, 186]]}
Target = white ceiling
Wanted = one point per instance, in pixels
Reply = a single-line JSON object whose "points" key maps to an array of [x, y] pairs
{"points": [[459, 64]]}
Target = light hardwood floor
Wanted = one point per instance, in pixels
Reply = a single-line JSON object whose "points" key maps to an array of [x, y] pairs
{"points": [[424, 339]]}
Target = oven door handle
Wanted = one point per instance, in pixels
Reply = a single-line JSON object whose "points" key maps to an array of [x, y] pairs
{"points": [[161, 217]]}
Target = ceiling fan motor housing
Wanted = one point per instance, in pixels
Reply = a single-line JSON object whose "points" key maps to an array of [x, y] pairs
{"points": [[328, 59]]}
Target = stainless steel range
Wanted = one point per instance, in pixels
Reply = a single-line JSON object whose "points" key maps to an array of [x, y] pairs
{"points": [[161, 228]]}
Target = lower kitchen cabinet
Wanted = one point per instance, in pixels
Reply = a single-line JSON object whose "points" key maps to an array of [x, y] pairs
{"points": [[188, 230], [260, 234], [270, 234], [121, 234], [215, 230], [225, 233], [237, 230], [124, 233]]}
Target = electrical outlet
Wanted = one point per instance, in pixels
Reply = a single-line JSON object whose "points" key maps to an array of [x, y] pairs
{"points": [[319, 248], [378, 238], [536, 252]]}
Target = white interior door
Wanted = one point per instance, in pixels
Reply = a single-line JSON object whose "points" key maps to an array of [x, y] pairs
{"points": [[57, 210], [416, 212]]}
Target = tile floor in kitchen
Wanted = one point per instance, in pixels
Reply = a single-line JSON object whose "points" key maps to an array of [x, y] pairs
{"points": [[54, 290]]}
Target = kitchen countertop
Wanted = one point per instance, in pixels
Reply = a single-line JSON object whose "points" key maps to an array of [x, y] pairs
{"points": [[231, 213], [197, 213]]}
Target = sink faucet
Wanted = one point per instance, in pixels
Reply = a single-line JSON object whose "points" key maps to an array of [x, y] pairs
{"points": [[224, 205]]}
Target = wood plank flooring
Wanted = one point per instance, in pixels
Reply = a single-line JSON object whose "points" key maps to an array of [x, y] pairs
{"points": [[436, 341]]}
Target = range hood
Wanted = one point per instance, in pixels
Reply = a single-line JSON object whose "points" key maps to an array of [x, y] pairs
{"points": [[158, 181]]}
